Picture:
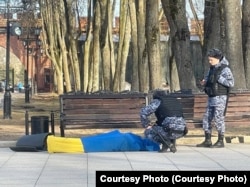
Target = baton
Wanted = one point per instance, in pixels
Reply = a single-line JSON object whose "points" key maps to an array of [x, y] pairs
{"points": [[225, 111], [165, 141]]}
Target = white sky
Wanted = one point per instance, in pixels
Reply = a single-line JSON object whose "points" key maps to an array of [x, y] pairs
{"points": [[199, 7]]}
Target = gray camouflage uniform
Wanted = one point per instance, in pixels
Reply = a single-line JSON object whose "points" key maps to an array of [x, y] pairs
{"points": [[217, 105], [171, 128]]}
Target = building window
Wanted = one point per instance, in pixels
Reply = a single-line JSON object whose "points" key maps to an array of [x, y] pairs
{"points": [[47, 77]]}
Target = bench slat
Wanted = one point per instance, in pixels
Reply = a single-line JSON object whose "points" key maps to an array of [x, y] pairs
{"points": [[102, 125], [101, 106], [102, 111], [104, 102], [94, 117]]}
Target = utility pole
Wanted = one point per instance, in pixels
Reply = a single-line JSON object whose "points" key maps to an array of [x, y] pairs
{"points": [[11, 29], [7, 94], [27, 86]]}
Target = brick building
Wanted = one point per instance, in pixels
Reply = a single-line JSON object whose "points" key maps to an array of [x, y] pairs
{"points": [[31, 59]]}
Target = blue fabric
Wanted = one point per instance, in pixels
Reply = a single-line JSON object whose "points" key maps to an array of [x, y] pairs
{"points": [[116, 141]]}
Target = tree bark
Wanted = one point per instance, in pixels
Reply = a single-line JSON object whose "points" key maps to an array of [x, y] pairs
{"points": [[106, 20], [133, 46], [96, 48], [234, 51], [153, 44], [246, 39], [123, 47], [142, 50], [180, 37]]}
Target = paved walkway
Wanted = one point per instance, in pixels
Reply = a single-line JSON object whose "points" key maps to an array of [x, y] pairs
{"points": [[38, 169]]}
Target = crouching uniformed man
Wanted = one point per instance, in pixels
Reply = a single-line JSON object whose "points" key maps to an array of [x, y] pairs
{"points": [[170, 124]]}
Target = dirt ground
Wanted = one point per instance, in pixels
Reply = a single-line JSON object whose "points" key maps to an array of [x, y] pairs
{"points": [[14, 128], [43, 104], [40, 105]]}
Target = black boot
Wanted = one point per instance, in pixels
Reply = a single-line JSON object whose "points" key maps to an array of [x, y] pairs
{"points": [[207, 142], [173, 146], [220, 142], [164, 148]]}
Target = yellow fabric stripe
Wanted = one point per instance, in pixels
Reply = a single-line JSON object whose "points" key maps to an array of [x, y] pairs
{"points": [[64, 145]]}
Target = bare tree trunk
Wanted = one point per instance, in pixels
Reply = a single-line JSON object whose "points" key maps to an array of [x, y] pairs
{"points": [[87, 52], [106, 19], [234, 41], [71, 40], [212, 30], [96, 47], [142, 52], [123, 48], [125, 52], [180, 36], [153, 44], [62, 25], [134, 48], [246, 39], [111, 44], [174, 77]]}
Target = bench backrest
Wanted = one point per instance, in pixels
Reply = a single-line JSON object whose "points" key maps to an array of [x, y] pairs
{"points": [[102, 110], [194, 106], [238, 105], [122, 110]]}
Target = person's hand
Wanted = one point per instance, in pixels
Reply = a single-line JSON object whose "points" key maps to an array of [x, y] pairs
{"points": [[149, 126], [203, 82]]}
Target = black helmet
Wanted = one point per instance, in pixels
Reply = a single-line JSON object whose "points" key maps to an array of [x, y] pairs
{"points": [[215, 53], [157, 94]]}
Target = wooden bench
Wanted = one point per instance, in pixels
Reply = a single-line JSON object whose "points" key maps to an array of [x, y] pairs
{"points": [[122, 110], [194, 106], [102, 110]]}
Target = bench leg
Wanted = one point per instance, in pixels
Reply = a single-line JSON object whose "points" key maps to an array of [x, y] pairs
{"points": [[229, 139], [62, 130]]}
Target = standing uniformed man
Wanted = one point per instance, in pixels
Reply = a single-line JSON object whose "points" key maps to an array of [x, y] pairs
{"points": [[217, 83]]}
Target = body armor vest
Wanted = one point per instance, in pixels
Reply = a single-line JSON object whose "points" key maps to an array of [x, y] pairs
{"points": [[212, 87], [169, 107]]}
